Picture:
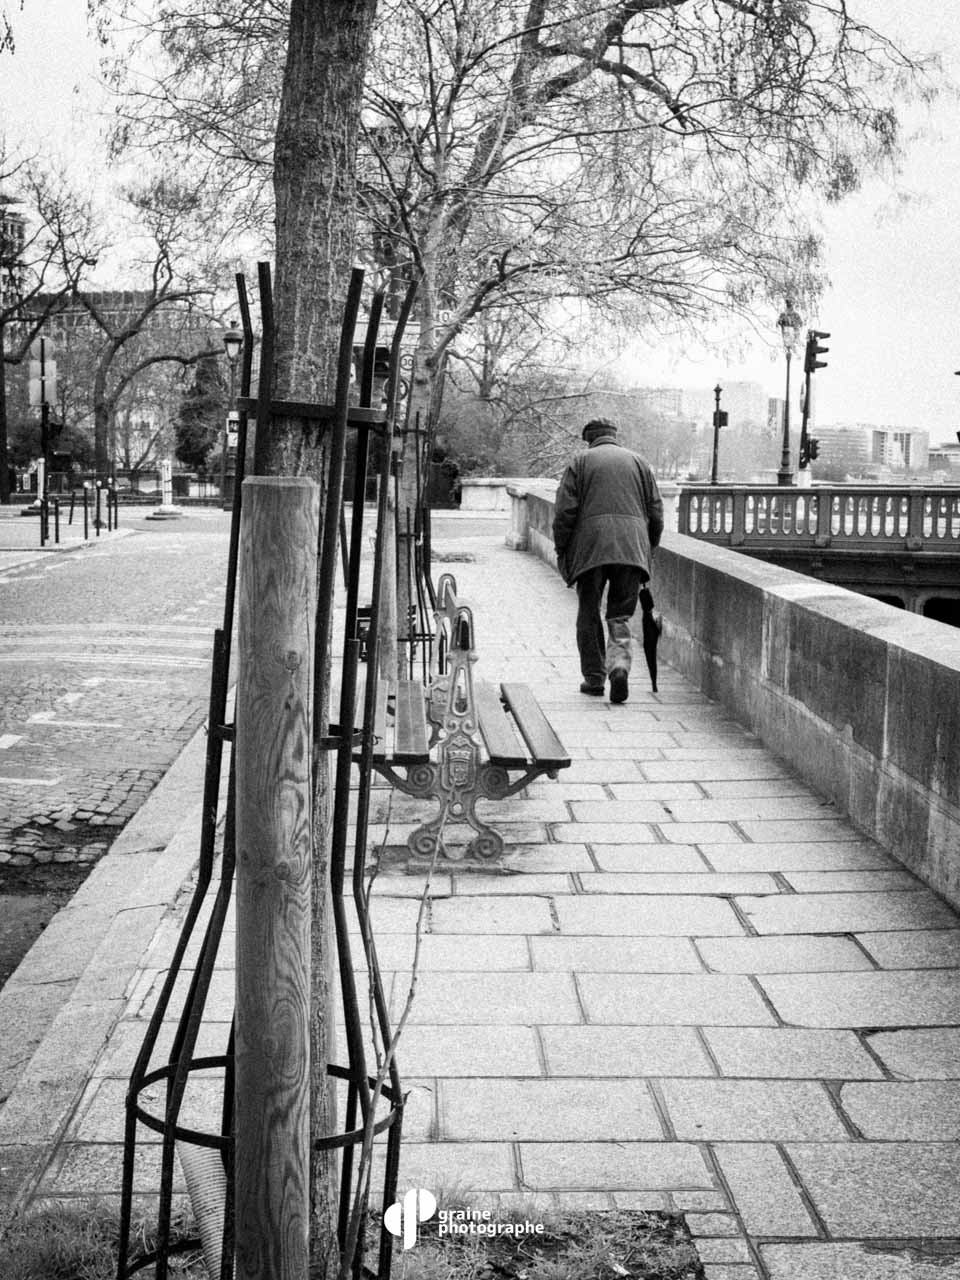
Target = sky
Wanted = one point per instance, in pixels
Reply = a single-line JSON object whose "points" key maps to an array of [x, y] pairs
{"points": [[892, 250], [893, 258]]}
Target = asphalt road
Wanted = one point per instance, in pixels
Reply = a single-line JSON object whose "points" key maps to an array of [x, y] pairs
{"points": [[104, 675]]}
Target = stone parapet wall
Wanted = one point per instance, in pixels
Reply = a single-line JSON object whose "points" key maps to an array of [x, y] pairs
{"points": [[863, 700], [532, 519], [490, 493]]}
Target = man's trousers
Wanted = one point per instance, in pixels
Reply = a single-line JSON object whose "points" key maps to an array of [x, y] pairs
{"points": [[600, 654]]}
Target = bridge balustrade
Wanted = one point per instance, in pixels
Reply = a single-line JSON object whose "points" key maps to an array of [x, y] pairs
{"points": [[842, 516]]}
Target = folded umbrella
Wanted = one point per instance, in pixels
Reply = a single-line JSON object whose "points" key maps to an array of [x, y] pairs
{"points": [[651, 627]]}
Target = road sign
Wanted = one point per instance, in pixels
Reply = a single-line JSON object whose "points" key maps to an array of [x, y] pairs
{"points": [[42, 388]]}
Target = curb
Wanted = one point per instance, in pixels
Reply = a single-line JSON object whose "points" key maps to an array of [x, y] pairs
{"points": [[29, 555], [59, 1008]]}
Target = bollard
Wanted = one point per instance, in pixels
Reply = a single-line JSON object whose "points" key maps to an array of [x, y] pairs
{"points": [[86, 511], [277, 595], [43, 521], [116, 510], [56, 520], [96, 516], [73, 503]]}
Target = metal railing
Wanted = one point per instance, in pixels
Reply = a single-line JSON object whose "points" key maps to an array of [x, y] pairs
{"points": [[858, 517]]}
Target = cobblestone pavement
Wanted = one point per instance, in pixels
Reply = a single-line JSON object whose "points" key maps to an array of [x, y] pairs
{"points": [[81, 751], [104, 674]]}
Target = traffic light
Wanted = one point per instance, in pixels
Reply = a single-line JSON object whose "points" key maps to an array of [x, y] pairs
{"points": [[809, 450], [810, 361], [720, 417]]}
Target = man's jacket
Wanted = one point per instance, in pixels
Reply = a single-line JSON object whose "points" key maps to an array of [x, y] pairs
{"points": [[608, 511]]}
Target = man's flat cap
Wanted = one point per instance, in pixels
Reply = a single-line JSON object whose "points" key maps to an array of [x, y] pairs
{"points": [[597, 427]]}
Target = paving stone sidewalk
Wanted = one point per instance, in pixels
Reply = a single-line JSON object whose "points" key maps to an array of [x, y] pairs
{"points": [[692, 985]]}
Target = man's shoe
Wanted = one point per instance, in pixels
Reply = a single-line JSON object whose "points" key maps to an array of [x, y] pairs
{"points": [[618, 685], [596, 690]]}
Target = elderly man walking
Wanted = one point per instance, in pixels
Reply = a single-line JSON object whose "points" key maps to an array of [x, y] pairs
{"points": [[607, 520]]}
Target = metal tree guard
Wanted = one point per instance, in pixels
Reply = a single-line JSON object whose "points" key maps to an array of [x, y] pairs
{"points": [[178, 1065]]}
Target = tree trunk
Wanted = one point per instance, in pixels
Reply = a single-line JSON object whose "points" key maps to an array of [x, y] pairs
{"points": [[102, 414], [314, 183], [4, 454]]}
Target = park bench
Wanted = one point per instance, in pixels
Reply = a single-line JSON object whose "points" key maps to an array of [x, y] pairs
{"points": [[460, 740]]}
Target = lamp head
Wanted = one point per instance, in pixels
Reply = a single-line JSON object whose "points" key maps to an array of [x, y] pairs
{"points": [[790, 323], [232, 342]]}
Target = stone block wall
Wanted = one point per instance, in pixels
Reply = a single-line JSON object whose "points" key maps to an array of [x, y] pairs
{"points": [[488, 493], [863, 700]]}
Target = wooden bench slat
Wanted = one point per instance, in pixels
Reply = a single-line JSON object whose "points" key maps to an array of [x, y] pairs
{"points": [[538, 733], [501, 742], [410, 723]]}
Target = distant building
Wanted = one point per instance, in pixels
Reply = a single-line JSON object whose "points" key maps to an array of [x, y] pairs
{"points": [[744, 402], [667, 401], [844, 451], [863, 450], [147, 408], [945, 457], [900, 448], [12, 239], [119, 307]]}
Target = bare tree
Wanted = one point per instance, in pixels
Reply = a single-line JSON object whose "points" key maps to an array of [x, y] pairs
{"points": [[143, 427], [511, 392], [47, 243], [204, 83], [166, 321], [651, 150], [649, 157], [6, 30]]}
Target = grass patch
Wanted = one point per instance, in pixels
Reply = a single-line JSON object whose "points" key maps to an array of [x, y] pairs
{"points": [[78, 1241], [603, 1245]]}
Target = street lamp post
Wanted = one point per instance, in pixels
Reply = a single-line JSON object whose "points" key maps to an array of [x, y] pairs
{"points": [[44, 423], [42, 384], [232, 342], [718, 422], [790, 325]]}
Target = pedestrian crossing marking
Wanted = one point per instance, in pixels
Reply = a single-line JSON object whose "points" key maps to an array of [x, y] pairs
{"points": [[47, 717], [96, 681], [173, 662]]}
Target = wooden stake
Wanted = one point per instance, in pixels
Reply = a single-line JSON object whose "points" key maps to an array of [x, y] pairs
{"points": [[273, 746]]}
